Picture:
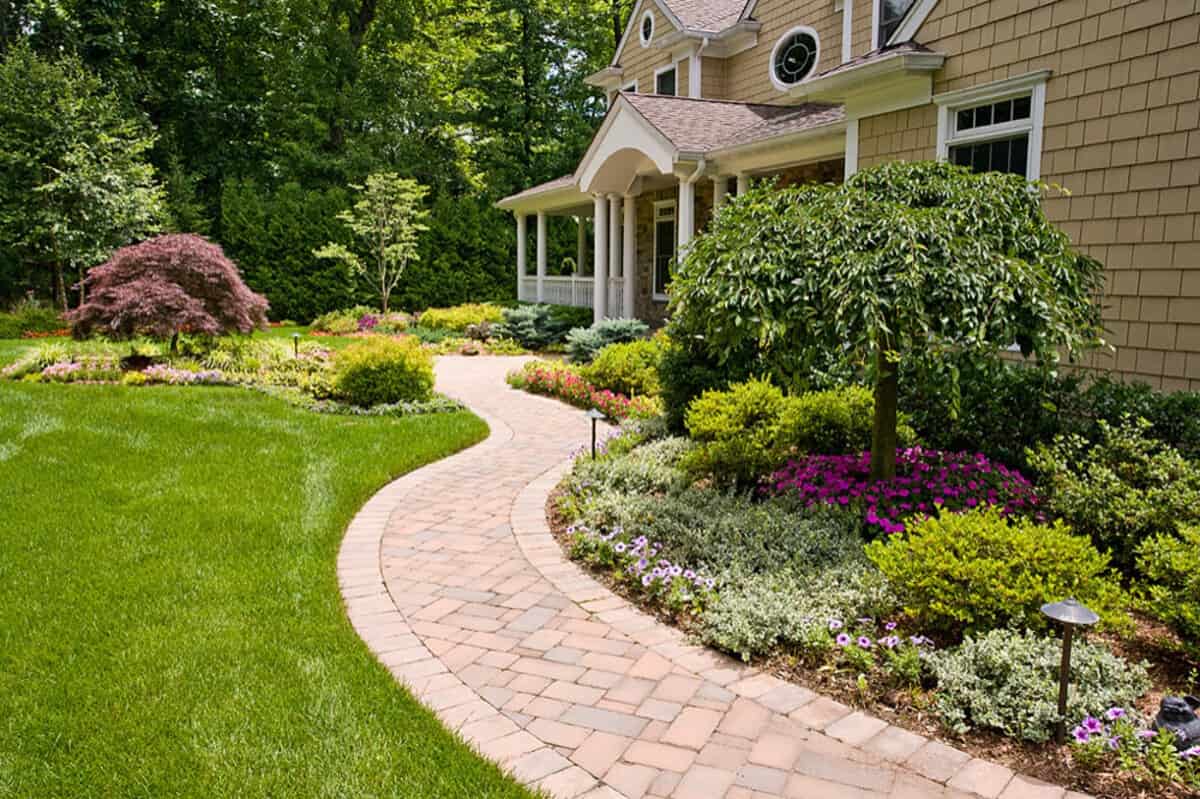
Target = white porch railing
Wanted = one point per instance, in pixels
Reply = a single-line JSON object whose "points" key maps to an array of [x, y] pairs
{"points": [[573, 290]]}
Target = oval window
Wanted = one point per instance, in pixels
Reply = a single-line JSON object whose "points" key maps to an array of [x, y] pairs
{"points": [[647, 28], [794, 58]]}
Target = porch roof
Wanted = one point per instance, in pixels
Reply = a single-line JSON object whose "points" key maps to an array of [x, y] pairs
{"points": [[700, 127]]}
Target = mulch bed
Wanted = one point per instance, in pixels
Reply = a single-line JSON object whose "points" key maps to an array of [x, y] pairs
{"points": [[912, 709]]}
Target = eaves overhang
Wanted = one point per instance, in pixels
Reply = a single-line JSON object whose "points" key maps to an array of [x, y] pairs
{"points": [[840, 84]]}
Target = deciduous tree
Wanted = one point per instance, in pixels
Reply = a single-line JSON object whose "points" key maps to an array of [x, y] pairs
{"points": [[386, 223], [905, 261]]}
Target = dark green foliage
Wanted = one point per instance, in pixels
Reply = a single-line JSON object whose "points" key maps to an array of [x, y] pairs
{"points": [[271, 236], [976, 571], [382, 370], [983, 418], [1169, 566], [1121, 489], [836, 421], [584, 342], [686, 371], [30, 317], [903, 263]]}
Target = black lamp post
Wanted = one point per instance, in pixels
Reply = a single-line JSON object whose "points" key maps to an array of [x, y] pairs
{"points": [[1070, 614], [296, 344], [595, 416]]}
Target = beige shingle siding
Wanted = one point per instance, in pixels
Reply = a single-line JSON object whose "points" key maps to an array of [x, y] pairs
{"points": [[712, 79], [639, 63], [747, 74], [1122, 134]]}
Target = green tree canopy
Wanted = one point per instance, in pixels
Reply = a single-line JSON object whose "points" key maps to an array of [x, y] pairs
{"points": [[903, 262], [77, 184]]}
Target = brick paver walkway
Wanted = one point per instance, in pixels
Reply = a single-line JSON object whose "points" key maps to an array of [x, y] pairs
{"points": [[451, 576]]}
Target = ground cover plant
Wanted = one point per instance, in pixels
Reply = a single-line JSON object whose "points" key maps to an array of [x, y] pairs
{"points": [[171, 614]]}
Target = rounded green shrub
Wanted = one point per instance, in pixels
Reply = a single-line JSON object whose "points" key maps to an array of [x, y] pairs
{"points": [[1008, 681], [630, 368], [460, 317], [382, 370], [1170, 569], [980, 570], [837, 421], [738, 432]]}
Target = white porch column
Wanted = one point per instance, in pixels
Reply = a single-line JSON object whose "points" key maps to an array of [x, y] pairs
{"points": [[686, 218], [600, 259], [720, 186], [743, 183], [521, 258], [851, 146], [614, 243], [541, 256], [580, 243], [629, 262]]}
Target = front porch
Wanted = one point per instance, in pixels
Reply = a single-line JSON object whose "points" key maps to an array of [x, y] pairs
{"points": [[639, 195]]}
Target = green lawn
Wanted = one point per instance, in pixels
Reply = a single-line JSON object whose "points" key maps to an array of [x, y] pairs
{"points": [[170, 623]]}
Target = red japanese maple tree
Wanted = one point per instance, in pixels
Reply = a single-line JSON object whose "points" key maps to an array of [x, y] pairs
{"points": [[164, 286]]}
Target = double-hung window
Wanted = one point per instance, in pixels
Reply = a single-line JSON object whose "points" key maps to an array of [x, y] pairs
{"points": [[664, 246], [996, 127]]}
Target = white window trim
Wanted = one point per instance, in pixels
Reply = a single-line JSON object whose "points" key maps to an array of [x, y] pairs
{"points": [[875, 24], [642, 37], [672, 66], [1032, 84], [913, 21], [654, 293], [630, 87], [780, 85]]}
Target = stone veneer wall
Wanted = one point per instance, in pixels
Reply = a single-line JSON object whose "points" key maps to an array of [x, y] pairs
{"points": [[1122, 135]]}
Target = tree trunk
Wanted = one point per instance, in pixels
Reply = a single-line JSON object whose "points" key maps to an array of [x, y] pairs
{"points": [[60, 286], [883, 436]]}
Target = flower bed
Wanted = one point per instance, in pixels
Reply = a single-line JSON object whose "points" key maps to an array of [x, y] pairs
{"points": [[562, 382], [927, 482]]}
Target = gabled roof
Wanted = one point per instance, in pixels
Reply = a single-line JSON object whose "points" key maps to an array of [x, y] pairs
{"points": [[707, 16], [701, 126]]}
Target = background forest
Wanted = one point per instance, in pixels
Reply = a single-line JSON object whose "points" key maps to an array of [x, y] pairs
{"points": [[247, 120]]}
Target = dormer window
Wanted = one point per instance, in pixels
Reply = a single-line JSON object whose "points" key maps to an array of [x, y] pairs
{"points": [[646, 31], [664, 81], [891, 14], [794, 57]]}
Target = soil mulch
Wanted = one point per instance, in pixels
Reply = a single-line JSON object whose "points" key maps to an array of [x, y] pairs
{"points": [[912, 709]]}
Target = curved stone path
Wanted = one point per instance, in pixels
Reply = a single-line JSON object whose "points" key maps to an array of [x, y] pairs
{"points": [[451, 576]]}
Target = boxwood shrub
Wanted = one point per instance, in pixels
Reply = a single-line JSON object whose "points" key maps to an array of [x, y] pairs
{"points": [[381, 370]]}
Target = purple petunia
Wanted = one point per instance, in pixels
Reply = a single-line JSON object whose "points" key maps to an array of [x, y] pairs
{"points": [[835, 625], [843, 639], [1081, 735], [865, 642], [1092, 724], [1114, 713]]}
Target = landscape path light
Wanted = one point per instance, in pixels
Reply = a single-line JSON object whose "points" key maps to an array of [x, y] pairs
{"points": [[595, 415], [1070, 614], [296, 344]]}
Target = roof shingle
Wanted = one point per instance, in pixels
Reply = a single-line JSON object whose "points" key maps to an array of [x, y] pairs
{"points": [[701, 126], [710, 16]]}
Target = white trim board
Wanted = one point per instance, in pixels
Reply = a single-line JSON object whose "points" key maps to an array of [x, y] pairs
{"points": [[913, 21], [1032, 84]]}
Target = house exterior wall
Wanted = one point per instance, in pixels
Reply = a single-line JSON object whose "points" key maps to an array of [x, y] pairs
{"points": [[1121, 134], [712, 79], [639, 63], [748, 77]]}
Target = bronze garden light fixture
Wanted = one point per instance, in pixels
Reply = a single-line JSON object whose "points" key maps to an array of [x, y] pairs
{"points": [[1070, 614], [296, 344], [595, 415]]}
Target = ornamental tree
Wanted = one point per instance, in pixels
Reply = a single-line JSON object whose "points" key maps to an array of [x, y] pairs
{"points": [[178, 283], [904, 263], [386, 222]]}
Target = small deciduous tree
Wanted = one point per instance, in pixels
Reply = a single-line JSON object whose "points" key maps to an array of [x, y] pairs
{"points": [[385, 222], [905, 261], [165, 286]]}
